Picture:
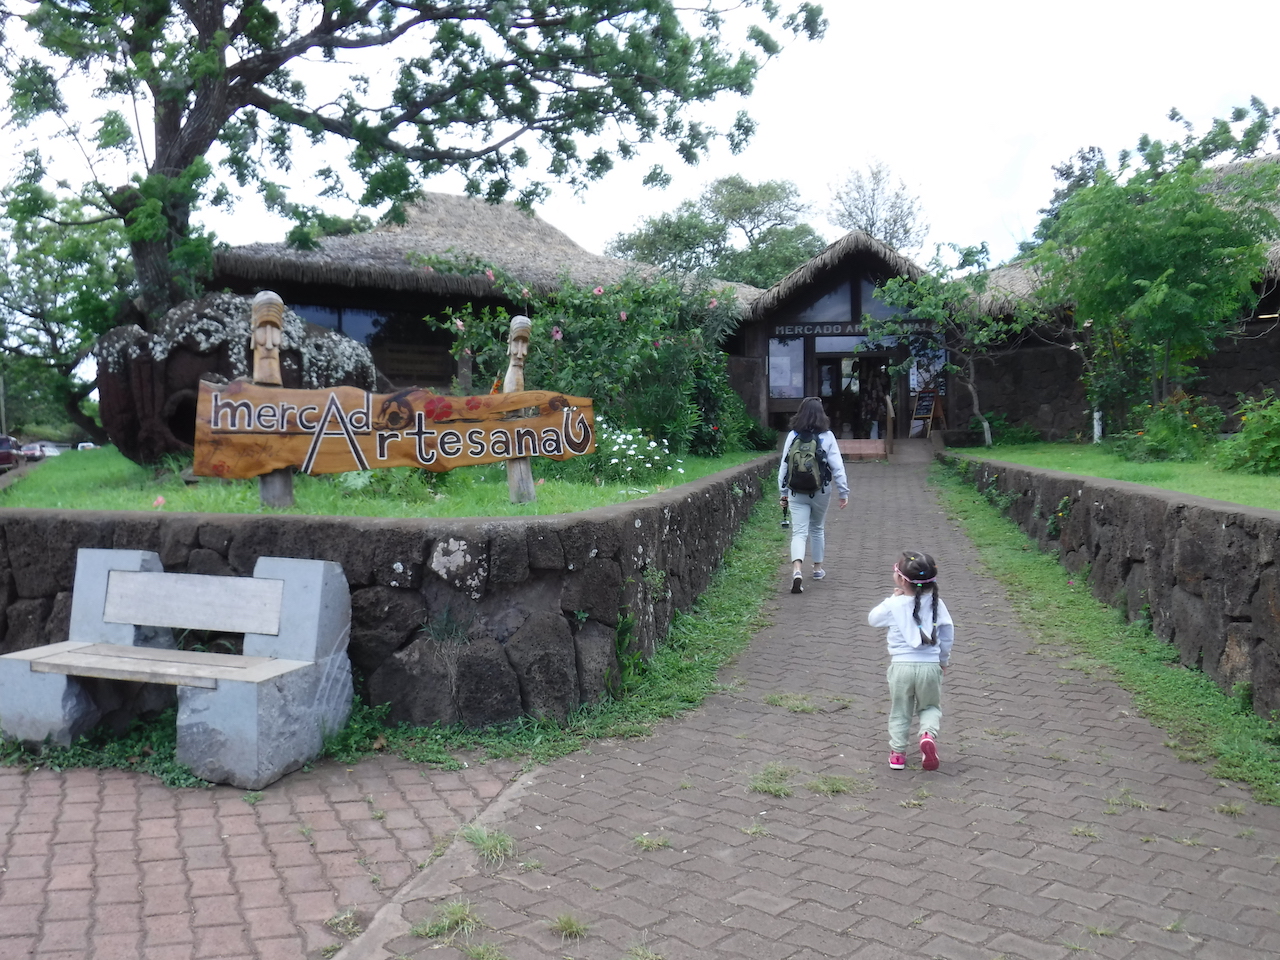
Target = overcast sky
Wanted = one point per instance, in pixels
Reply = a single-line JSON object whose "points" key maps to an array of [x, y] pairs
{"points": [[970, 104]]}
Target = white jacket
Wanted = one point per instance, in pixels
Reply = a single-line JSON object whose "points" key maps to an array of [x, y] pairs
{"points": [[834, 461], [904, 638]]}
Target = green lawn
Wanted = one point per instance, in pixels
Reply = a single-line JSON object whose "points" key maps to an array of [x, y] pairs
{"points": [[102, 479], [1093, 460]]}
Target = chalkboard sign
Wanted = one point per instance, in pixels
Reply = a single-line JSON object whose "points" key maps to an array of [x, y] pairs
{"points": [[927, 409]]}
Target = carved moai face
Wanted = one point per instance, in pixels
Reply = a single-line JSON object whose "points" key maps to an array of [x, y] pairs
{"points": [[518, 338]]}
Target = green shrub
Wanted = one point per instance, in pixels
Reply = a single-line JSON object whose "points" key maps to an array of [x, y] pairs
{"points": [[621, 456], [1004, 432], [1256, 447], [1178, 428]]}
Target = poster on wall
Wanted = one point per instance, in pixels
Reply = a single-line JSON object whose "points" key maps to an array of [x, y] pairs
{"points": [[244, 430]]}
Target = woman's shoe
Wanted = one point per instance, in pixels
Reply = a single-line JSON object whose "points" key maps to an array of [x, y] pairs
{"points": [[819, 574], [797, 583]]}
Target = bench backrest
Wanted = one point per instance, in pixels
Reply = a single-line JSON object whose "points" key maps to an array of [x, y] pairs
{"points": [[291, 609]]}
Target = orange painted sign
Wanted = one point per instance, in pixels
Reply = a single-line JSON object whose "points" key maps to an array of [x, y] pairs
{"points": [[244, 430]]}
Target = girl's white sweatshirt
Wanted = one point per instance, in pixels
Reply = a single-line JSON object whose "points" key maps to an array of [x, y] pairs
{"points": [[904, 638]]}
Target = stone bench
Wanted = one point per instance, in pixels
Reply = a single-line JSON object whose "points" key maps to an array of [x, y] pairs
{"points": [[245, 720]]}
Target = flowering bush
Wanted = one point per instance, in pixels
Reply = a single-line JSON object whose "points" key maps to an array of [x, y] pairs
{"points": [[1179, 428], [1256, 447], [622, 456], [647, 352]]}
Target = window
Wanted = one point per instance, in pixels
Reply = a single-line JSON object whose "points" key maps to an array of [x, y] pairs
{"points": [[786, 367]]}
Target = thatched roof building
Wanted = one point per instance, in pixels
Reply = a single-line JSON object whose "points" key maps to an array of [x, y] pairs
{"points": [[518, 241]]}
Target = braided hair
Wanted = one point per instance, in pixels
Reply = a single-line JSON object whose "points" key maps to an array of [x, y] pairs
{"points": [[921, 571]]}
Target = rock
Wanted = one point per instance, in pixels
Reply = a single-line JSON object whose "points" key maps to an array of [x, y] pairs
{"points": [[383, 620], [545, 661], [596, 646], [418, 682]]}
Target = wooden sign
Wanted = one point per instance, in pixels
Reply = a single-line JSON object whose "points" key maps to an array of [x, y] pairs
{"points": [[244, 430]]}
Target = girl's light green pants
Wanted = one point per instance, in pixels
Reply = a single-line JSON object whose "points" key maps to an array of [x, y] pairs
{"points": [[913, 688]]}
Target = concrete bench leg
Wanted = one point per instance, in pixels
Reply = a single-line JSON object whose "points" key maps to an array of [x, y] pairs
{"points": [[39, 706], [252, 734]]}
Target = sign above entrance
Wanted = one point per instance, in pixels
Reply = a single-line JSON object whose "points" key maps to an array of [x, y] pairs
{"points": [[814, 329], [244, 430]]}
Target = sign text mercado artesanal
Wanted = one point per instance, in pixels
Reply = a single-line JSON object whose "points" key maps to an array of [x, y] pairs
{"points": [[244, 430]]}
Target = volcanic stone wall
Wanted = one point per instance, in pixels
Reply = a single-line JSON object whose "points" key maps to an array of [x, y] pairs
{"points": [[1205, 570], [476, 620]]}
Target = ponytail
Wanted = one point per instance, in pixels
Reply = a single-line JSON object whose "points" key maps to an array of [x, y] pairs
{"points": [[920, 570]]}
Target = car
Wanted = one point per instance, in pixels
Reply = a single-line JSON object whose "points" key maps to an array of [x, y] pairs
{"points": [[87, 445], [10, 453], [33, 451]]}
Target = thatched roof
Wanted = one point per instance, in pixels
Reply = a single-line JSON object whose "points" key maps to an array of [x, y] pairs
{"points": [[849, 247], [518, 242]]}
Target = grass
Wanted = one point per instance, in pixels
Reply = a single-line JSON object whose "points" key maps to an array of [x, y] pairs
{"points": [[1095, 460], [756, 829], [103, 479], [345, 924], [648, 844], [1205, 723], [568, 927], [773, 780], [795, 702], [494, 846], [678, 677], [457, 918], [481, 951], [829, 785]]}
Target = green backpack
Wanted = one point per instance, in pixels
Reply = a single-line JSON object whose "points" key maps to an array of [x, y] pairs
{"points": [[807, 467]]}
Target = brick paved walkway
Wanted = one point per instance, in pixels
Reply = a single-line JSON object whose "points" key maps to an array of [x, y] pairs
{"points": [[1058, 820]]}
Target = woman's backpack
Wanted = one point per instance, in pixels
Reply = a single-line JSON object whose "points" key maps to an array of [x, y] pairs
{"points": [[807, 467]]}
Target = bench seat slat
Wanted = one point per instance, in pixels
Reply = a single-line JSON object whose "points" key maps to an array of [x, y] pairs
{"points": [[151, 665], [194, 601]]}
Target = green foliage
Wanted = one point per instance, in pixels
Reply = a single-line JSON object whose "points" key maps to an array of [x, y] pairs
{"points": [[1186, 703], [940, 318], [1061, 515], [1255, 448], [103, 479], [647, 351], [737, 230], [621, 456], [1005, 433], [461, 88], [1179, 428], [1158, 258]]}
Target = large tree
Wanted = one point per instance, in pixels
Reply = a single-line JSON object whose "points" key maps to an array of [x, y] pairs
{"points": [[871, 203], [60, 286], [1160, 258], [736, 230], [432, 85]]}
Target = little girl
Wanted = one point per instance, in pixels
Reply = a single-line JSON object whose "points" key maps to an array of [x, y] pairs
{"points": [[919, 656]]}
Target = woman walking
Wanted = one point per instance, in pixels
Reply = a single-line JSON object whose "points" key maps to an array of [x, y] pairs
{"points": [[811, 465]]}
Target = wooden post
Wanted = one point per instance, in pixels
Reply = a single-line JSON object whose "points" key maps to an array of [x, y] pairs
{"points": [[275, 488], [519, 471]]}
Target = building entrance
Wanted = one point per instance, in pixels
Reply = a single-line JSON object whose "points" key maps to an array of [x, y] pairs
{"points": [[853, 390]]}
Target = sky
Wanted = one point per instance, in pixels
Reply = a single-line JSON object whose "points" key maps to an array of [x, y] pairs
{"points": [[970, 105]]}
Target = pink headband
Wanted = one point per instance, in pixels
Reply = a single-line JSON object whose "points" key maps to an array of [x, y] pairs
{"points": [[911, 579]]}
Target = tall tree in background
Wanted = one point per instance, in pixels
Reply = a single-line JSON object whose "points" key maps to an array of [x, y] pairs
{"points": [[871, 203], [471, 87], [1160, 258], [60, 286], [737, 230]]}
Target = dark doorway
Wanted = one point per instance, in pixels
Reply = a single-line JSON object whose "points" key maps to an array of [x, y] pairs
{"points": [[853, 391]]}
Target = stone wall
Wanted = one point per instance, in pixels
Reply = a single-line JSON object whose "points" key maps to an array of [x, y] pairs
{"points": [[1206, 570], [477, 620]]}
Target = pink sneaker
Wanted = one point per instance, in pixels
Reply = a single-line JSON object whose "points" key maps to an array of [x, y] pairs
{"points": [[897, 761], [929, 751]]}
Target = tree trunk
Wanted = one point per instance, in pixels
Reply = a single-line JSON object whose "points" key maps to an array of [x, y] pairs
{"points": [[71, 404], [160, 291], [986, 427]]}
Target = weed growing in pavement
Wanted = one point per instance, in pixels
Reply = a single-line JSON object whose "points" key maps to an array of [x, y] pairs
{"points": [[755, 829], [1190, 841], [648, 844], [493, 845], [1000, 734], [1246, 833], [481, 951], [1148, 839], [911, 803], [640, 952], [345, 924], [252, 798], [1203, 723], [795, 702], [1125, 799], [457, 918], [528, 866], [773, 780], [829, 785], [569, 927], [1230, 809], [1174, 927], [1100, 931], [1079, 831], [330, 950]]}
